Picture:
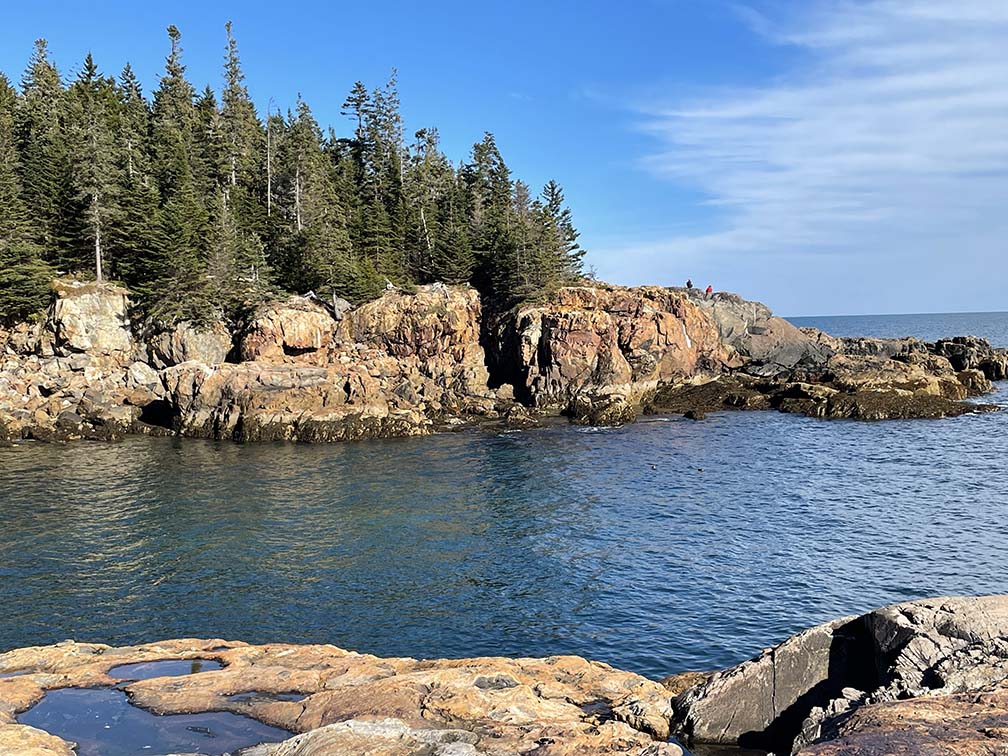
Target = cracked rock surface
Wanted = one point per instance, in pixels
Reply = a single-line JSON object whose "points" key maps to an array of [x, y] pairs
{"points": [[893, 670], [361, 704]]}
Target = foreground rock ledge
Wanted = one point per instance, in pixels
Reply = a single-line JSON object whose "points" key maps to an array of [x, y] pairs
{"points": [[355, 703], [923, 677]]}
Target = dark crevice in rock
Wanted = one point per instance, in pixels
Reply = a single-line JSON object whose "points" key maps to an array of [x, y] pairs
{"points": [[294, 351], [160, 413]]}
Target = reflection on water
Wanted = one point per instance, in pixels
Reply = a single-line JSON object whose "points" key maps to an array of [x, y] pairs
{"points": [[103, 723], [604, 543], [163, 668]]}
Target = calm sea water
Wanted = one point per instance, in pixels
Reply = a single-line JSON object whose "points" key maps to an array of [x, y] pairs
{"points": [[992, 326], [609, 543]]}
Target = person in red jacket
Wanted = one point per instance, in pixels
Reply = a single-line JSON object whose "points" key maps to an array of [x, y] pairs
{"points": [[709, 291]]}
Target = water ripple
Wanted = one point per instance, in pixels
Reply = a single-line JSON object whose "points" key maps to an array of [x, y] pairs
{"points": [[608, 544]]}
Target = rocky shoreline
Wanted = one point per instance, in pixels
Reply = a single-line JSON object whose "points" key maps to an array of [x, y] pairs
{"points": [[922, 677], [419, 362]]}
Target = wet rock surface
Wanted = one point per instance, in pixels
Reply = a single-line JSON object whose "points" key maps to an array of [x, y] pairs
{"points": [[343, 702]]}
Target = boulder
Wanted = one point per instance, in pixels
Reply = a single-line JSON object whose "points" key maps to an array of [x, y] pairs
{"points": [[187, 342], [805, 689], [762, 703], [89, 317], [294, 328]]}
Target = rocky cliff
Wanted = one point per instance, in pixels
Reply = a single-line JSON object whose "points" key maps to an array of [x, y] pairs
{"points": [[412, 363]]}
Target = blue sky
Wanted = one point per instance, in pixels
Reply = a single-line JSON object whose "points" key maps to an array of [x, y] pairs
{"points": [[824, 157]]}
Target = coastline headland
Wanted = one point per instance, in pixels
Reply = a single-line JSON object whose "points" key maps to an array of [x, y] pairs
{"points": [[412, 363], [922, 677]]}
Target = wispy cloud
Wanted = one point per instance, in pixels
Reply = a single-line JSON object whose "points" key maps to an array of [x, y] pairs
{"points": [[889, 136]]}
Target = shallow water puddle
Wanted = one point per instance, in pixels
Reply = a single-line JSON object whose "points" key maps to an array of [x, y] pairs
{"points": [[103, 723], [17, 673], [163, 668]]}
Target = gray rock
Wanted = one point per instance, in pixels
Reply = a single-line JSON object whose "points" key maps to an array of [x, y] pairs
{"points": [[187, 342], [770, 344], [761, 703], [792, 694]]}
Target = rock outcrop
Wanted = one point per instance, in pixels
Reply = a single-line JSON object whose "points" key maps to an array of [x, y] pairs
{"points": [[971, 353], [355, 703], [402, 365], [188, 342], [295, 327], [68, 376], [596, 353], [412, 363], [91, 319], [841, 678], [767, 344]]}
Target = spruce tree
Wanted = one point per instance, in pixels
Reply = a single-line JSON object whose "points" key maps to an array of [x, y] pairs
{"points": [[44, 165], [560, 224], [178, 288], [93, 111], [24, 278], [317, 252], [133, 238]]}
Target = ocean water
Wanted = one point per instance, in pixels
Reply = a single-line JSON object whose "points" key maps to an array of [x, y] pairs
{"points": [[992, 326], [658, 547]]}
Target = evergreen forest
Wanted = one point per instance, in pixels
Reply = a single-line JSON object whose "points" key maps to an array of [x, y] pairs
{"points": [[203, 207]]}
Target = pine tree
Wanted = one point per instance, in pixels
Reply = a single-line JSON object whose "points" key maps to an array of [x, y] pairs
{"points": [[132, 238], [560, 224], [199, 207], [24, 278], [92, 148], [317, 250], [178, 287], [241, 217], [44, 165], [454, 261]]}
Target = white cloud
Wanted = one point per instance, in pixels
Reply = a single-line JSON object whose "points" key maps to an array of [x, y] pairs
{"points": [[888, 141]]}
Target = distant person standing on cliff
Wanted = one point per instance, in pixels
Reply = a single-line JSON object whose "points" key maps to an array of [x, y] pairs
{"points": [[709, 291], [689, 283]]}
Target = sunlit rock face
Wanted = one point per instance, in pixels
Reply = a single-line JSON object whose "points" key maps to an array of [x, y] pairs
{"points": [[597, 352], [397, 366], [890, 681], [411, 363], [343, 702], [294, 327]]}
